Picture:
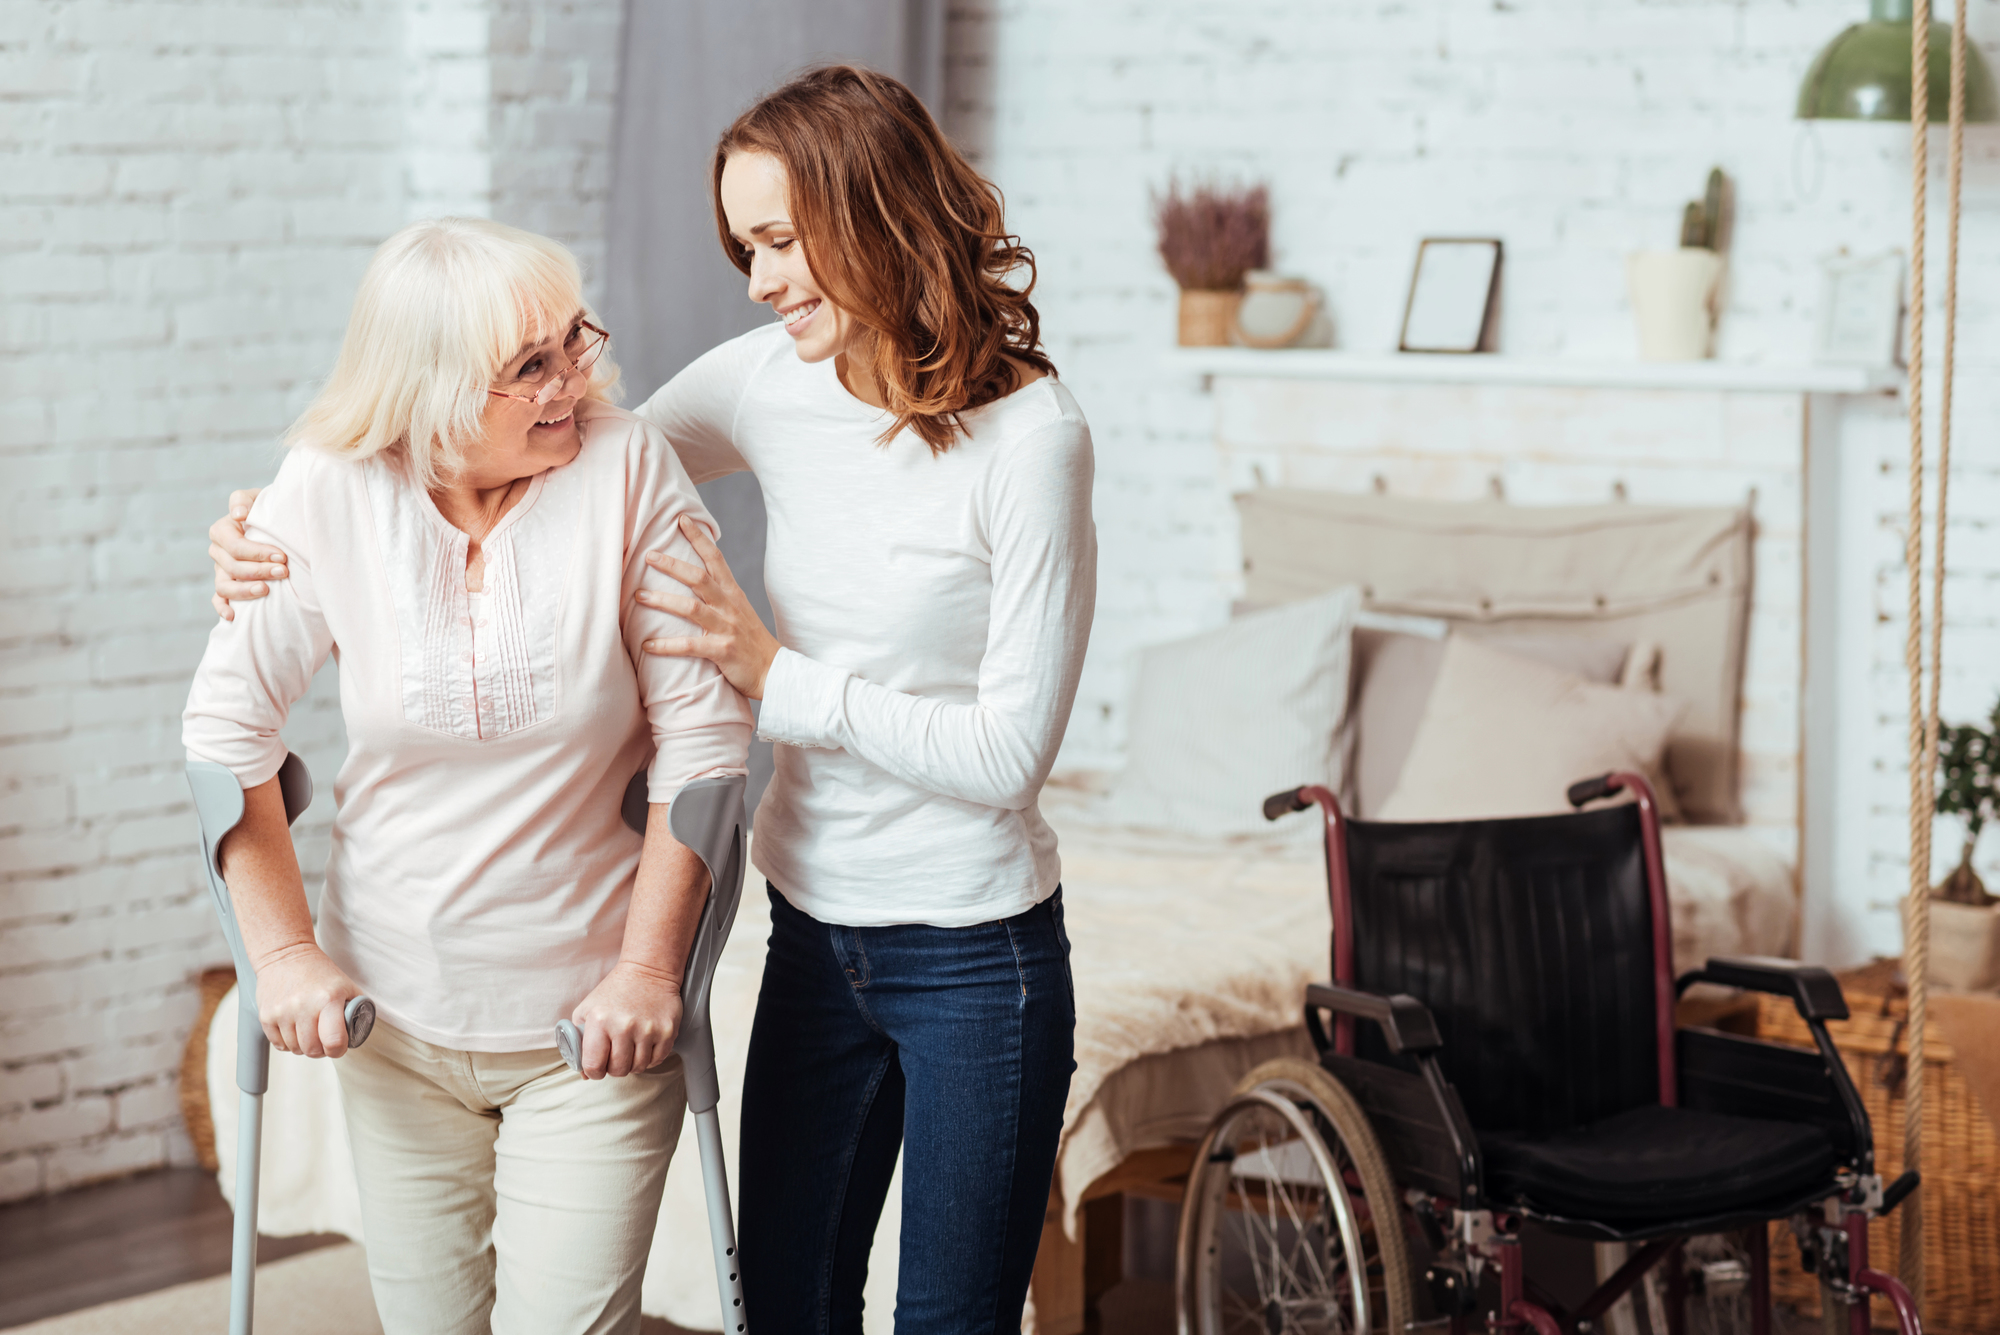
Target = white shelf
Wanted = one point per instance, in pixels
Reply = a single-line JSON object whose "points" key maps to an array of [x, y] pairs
{"points": [[1490, 369]]}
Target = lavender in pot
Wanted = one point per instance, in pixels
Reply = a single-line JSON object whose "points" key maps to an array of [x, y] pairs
{"points": [[1210, 237]]}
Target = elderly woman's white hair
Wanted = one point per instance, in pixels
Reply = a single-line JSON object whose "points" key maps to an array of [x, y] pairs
{"points": [[445, 305]]}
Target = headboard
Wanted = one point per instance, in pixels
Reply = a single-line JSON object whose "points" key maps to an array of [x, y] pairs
{"points": [[1677, 577]]}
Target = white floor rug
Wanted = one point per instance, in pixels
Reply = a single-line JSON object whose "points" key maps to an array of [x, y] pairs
{"points": [[323, 1292]]}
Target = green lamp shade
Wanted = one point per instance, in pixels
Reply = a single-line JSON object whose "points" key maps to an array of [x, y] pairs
{"points": [[1864, 74]]}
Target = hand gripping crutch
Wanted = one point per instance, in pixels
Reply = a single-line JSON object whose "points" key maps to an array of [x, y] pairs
{"points": [[707, 817], [218, 804]]}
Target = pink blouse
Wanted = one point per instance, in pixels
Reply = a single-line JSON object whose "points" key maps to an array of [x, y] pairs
{"points": [[480, 873]]}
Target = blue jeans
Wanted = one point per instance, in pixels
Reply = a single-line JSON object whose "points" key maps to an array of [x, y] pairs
{"points": [[952, 1043]]}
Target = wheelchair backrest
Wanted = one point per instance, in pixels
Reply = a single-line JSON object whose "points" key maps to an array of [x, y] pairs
{"points": [[1531, 940]]}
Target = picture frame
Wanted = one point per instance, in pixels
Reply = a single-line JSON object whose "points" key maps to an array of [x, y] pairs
{"points": [[1860, 310], [1454, 295]]}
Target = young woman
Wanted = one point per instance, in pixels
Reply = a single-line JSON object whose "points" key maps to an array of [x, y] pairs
{"points": [[932, 568], [465, 520]]}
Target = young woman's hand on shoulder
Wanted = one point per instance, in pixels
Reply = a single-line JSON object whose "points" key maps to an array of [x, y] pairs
{"points": [[733, 638], [240, 564]]}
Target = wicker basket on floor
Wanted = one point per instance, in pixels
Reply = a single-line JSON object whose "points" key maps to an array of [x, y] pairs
{"points": [[200, 1119], [1961, 1160]]}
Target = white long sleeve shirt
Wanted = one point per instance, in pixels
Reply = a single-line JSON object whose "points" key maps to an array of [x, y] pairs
{"points": [[480, 873], [934, 612]]}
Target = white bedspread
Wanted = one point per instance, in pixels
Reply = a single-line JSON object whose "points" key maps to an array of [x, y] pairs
{"points": [[1190, 959]]}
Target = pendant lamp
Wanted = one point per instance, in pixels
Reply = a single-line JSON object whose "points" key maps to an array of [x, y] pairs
{"points": [[1864, 74]]}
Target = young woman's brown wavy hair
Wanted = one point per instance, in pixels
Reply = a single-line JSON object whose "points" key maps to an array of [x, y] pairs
{"points": [[902, 234]]}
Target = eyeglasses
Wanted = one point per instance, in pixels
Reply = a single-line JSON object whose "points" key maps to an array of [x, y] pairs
{"points": [[539, 380]]}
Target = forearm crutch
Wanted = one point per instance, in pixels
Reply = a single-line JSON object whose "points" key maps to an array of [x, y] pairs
{"points": [[707, 817], [218, 804]]}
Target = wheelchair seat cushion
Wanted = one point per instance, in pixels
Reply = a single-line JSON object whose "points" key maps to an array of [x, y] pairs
{"points": [[1655, 1164]]}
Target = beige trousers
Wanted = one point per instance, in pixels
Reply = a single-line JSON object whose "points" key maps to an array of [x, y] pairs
{"points": [[503, 1191]]}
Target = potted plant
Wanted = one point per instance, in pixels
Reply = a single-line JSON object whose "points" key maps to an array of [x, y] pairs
{"points": [[1210, 237], [1675, 292], [1965, 926]]}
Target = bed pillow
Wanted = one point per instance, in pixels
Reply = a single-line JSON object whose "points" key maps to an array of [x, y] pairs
{"points": [[1505, 736], [1394, 670], [1221, 721]]}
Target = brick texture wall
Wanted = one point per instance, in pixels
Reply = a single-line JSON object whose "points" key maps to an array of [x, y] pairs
{"points": [[188, 194]]}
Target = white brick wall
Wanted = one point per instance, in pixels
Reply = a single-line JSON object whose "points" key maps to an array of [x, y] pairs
{"points": [[188, 193], [554, 76], [1575, 130]]}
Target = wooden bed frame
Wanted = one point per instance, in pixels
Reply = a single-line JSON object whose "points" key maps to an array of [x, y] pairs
{"points": [[1071, 1277]]}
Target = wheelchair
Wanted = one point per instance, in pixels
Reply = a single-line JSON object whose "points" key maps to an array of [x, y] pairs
{"points": [[1502, 1051]]}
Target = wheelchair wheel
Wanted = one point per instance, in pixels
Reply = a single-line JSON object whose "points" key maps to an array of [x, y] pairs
{"points": [[1291, 1223]]}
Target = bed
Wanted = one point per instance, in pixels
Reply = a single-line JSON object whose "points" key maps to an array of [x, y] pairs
{"points": [[1191, 951]]}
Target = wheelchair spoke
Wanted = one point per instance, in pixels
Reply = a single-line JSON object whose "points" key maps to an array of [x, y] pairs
{"points": [[1292, 1226], [1304, 1240], [1279, 1258], [1253, 1249]]}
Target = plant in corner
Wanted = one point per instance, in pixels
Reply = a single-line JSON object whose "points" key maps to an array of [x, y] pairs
{"points": [[1969, 787], [1210, 237]]}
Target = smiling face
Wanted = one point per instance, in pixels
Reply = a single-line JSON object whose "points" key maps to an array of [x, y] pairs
{"points": [[523, 439], [760, 219]]}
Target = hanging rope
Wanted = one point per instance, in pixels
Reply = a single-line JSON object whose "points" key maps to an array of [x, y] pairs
{"points": [[1916, 907], [1954, 175], [1924, 714]]}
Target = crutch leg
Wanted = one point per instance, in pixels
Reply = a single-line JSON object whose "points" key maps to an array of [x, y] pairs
{"points": [[243, 1247], [253, 1077], [721, 1222]]}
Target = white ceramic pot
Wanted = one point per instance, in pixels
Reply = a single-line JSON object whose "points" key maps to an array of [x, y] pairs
{"points": [[1276, 311], [1674, 296], [1965, 946]]}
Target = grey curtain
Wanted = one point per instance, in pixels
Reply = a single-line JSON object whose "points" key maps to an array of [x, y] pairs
{"points": [[688, 68]]}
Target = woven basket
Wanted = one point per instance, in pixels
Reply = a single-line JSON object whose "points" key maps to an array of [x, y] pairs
{"points": [[215, 984], [1961, 1161]]}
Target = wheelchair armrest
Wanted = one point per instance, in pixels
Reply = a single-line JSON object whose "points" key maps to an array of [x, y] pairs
{"points": [[1406, 1023], [1812, 989]]}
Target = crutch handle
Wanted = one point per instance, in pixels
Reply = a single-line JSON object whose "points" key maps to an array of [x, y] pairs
{"points": [[360, 1015], [569, 1042]]}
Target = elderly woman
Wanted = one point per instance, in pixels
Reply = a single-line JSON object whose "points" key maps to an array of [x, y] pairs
{"points": [[466, 520]]}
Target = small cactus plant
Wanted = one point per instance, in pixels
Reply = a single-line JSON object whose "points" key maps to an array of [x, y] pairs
{"points": [[1701, 223]]}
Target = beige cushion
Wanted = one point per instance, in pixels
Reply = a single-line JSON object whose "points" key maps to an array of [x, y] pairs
{"points": [[1506, 736], [1679, 577], [1221, 721], [1393, 676]]}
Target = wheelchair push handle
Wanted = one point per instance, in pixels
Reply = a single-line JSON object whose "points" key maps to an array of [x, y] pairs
{"points": [[1585, 791], [1285, 803]]}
